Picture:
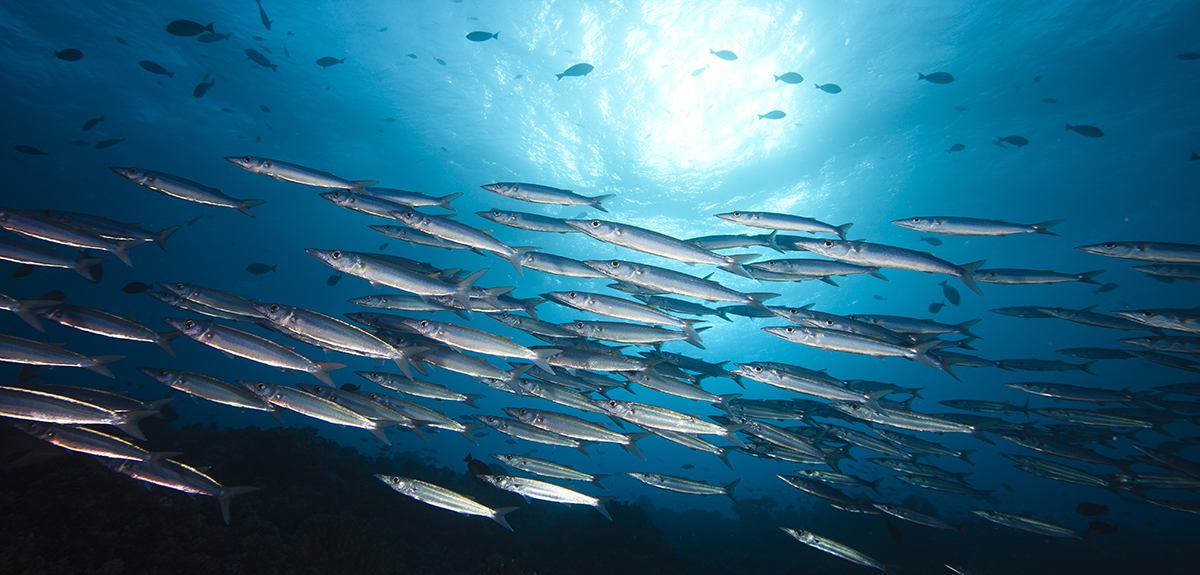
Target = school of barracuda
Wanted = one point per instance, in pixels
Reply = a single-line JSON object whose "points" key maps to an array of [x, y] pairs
{"points": [[586, 360]]}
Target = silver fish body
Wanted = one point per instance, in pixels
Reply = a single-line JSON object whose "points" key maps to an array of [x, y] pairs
{"points": [[177, 187]]}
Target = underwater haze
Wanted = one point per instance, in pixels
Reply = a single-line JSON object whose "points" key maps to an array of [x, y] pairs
{"points": [[1034, 128]]}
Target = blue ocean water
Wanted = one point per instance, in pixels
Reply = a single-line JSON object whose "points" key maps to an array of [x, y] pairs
{"points": [[675, 133]]}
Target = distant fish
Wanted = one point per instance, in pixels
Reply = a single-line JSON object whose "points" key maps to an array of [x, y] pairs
{"points": [[135, 287], [257, 139], [698, 71], [259, 269], [262, 14], [789, 78], [202, 88], [476, 468], [1086, 130], [1008, 487], [440, 61], [482, 36], [389, 119], [383, 246], [257, 38], [264, 108], [213, 37], [687, 466], [413, 56], [155, 69], [80, 143], [1087, 509], [328, 61], [69, 55], [932, 241], [1189, 56], [194, 220], [956, 148], [1037, 79], [723, 54], [32, 151], [260, 59], [1105, 288], [384, 29], [333, 280], [961, 108], [950, 293], [55, 295], [227, 110], [772, 115], [108, 143], [1194, 157], [936, 77], [936, 307], [1052, 100], [830, 88], [1017, 141], [285, 52], [92, 123], [894, 532], [880, 298], [188, 28], [23, 270], [576, 70], [122, 41], [518, 76], [1101, 528]]}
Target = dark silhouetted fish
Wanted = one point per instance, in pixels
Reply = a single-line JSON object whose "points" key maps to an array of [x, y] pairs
{"points": [[328, 61], [1008, 487], [155, 69], [1105, 288], [261, 60], [55, 295], [1086, 130], [257, 38], [188, 28], [122, 41], [135, 287], [830, 88], [1101, 528], [723, 54], [1087, 509], [956, 148], [258, 269], [950, 293], [266, 49], [92, 123], [1194, 157], [482, 36], [384, 29], [202, 88], [1052, 100], [687, 466], [108, 143], [1189, 56], [936, 307], [389, 119], [413, 56], [262, 14], [383, 246], [264, 108], [32, 151], [23, 270], [333, 280], [698, 71], [80, 143], [213, 37], [576, 70], [789, 78], [440, 61], [257, 139], [936, 77], [69, 55], [772, 115], [1017, 141], [932, 241], [961, 108], [894, 532], [1037, 79], [880, 298]]}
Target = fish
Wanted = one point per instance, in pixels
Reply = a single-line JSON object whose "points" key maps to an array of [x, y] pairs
{"points": [[30, 150], [1101, 528], [894, 532], [789, 78], [188, 28], [539, 194], [834, 548], [440, 61], [670, 281], [419, 388], [211, 389], [1026, 523], [527, 221], [1160, 271], [931, 241], [936, 77], [180, 477], [961, 108], [1086, 130], [456, 232], [956, 148], [959, 226], [772, 115], [828, 88], [1162, 252], [83, 440], [264, 108], [1017, 141], [80, 143], [317, 407], [1010, 276], [482, 36], [723, 54], [575, 71], [479, 341], [254, 348], [26, 309], [328, 61], [652, 416], [105, 324], [1189, 56], [202, 88], [68, 55], [1052, 100], [88, 125], [698, 71], [296, 173], [108, 143], [651, 242], [31, 405], [177, 187], [259, 269], [950, 293], [885, 256], [29, 256], [535, 489], [682, 485], [1087, 509], [410, 199], [331, 333], [39, 226], [213, 37], [262, 15], [444, 498], [154, 68], [256, 57]]}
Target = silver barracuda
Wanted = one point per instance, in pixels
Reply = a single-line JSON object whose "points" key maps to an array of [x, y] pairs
{"points": [[252, 347], [903, 419], [214, 298], [1010, 276], [728, 241], [534, 489], [180, 477], [382, 272], [84, 440], [441, 497], [419, 388], [674, 282], [914, 516], [177, 187], [556, 393], [558, 265], [26, 309], [1185, 320], [576, 428], [106, 324], [791, 382], [522, 430], [657, 417], [530, 325], [835, 478], [784, 222], [682, 485], [678, 388], [1147, 251], [525, 221], [695, 443], [921, 446], [363, 204], [538, 194], [295, 173], [480, 341], [834, 340], [35, 225], [420, 238], [212, 389], [816, 269], [112, 229], [172, 299], [34, 255], [833, 548], [900, 324], [957, 226], [884, 256], [548, 469], [626, 333], [621, 309], [1026, 523], [337, 333], [19, 350], [33, 405], [453, 231], [1170, 272], [315, 407], [1075, 392], [652, 242], [410, 199]]}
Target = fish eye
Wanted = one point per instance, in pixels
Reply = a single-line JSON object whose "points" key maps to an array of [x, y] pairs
{"points": [[579, 324], [337, 254], [274, 307], [1149, 313], [737, 214], [612, 403], [523, 411], [830, 322], [162, 372], [248, 159], [189, 323], [789, 329], [615, 264], [180, 286], [829, 243], [916, 220], [367, 298], [408, 214], [758, 368], [424, 323], [1110, 246], [133, 170], [572, 294], [595, 223]]}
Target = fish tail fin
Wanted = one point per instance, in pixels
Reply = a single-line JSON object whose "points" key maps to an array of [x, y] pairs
{"points": [[595, 201], [463, 289], [731, 434], [725, 399], [160, 239], [559, 76], [323, 369], [724, 455], [102, 362], [471, 397], [600, 501], [83, 267], [842, 229], [129, 422], [542, 355], [247, 204], [987, 496], [728, 489], [274, 68], [515, 375], [875, 272], [965, 455], [164, 341], [693, 336], [773, 241], [721, 313], [1087, 277], [228, 494], [632, 447], [965, 328], [596, 477], [1069, 126], [829, 280], [122, 250], [966, 275], [278, 415], [209, 28], [467, 434], [757, 299], [734, 264], [582, 448], [515, 258], [498, 517], [1084, 367], [920, 76], [377, 431], [874, 485], [1044, 227], [445, 200]]}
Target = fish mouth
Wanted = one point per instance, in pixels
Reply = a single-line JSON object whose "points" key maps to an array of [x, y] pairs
{"points": [[582, 225], [495, 188]]}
